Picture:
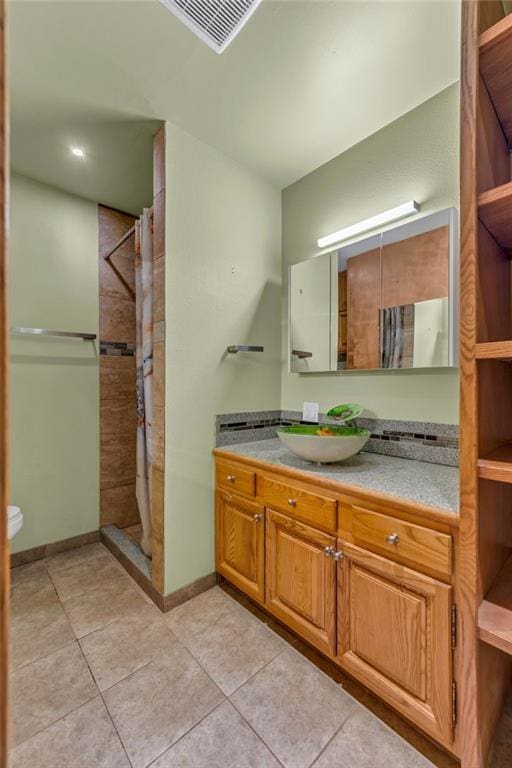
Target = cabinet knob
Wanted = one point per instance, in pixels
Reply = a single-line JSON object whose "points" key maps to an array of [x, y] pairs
{"points": [[329, 551], [292, 502], [231, 478], [338, 555], [258, 517], [393, 538]]}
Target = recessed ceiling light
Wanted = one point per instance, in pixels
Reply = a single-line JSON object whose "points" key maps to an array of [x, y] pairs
{"points": [[77, 152]]}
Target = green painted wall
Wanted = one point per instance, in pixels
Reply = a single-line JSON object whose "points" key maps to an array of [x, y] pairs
{"points": [[54, 395], [415, 157], [223, 273]]}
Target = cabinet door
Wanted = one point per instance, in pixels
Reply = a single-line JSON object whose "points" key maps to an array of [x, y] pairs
{"points": [[394, 635], [240, 540], [301, 579]]}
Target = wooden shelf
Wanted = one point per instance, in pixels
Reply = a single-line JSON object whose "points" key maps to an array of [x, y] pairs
{"points": [[497, 465], [495, 211], [494, 350], [495, 613], [495, 47]]}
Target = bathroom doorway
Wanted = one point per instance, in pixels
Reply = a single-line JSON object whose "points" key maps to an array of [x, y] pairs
{"points": [[126, 376], [131, 332]]}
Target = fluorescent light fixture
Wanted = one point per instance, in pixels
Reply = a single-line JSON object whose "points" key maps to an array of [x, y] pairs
{"points": [[77, 152], [399, 212]]}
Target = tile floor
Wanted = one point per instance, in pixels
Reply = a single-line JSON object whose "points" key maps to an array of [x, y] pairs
{"points": [[101, 678]]}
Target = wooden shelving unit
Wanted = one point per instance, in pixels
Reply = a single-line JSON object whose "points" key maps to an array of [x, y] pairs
{"points": [[495, 612], [497, 465], [495, 212], [484, 551], [495, 48], [494, 350]]}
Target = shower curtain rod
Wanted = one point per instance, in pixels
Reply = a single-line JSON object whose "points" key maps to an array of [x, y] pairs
{"points": [[120, 242], [109, 255]]}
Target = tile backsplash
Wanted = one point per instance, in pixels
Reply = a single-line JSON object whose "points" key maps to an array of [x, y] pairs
{"points": [[423, 441]]}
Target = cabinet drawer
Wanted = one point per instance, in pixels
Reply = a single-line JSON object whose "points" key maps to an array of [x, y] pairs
{"points": [[421, 548], [232, 477], [308, 506]]}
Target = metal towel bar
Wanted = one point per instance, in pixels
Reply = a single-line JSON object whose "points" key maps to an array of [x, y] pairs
{"points": [[234, 348], [46, 332]]}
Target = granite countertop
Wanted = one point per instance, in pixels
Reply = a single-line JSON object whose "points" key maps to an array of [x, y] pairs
{"points": [[433, 485]]}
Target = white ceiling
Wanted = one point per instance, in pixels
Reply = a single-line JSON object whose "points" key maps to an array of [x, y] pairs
{"points": [[301, 83]]}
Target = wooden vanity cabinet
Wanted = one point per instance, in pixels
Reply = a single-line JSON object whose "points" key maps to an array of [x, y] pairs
{"points": [[240, 543], [301, 579], [394, 630], [369, 589]]}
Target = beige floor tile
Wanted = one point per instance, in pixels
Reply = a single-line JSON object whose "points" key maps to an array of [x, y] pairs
{"points": [[47, 689], [73, 556], [235, 648], [85, 576], [155, 706], [83, 739], [38, 632], [28, 572], [364, 741], [294, 708], [200, 613], [124, 646], [221, 740], [100, 607], [33, 594]]}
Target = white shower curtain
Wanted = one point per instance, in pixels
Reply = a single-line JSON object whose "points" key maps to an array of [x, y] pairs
{"points": [[144, 361]]}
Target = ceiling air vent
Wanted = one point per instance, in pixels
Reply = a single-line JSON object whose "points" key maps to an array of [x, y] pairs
{"points": [[216, 22]]}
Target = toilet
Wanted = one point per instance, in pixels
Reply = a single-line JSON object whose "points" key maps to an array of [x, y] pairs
{"points": [[14, 521]]}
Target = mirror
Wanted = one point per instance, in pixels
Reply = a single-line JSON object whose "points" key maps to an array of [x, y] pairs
{"points": [[387, 301]]}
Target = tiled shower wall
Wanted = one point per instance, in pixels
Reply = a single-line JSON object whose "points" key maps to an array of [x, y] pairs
{"points": [[118, 504]]}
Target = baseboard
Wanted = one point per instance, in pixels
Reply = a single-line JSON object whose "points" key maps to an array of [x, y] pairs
{"points": [[164, 602], [53, 548], [189, 591]]}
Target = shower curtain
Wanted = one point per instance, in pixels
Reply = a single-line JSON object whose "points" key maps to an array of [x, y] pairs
{"points": [[144, 361]]}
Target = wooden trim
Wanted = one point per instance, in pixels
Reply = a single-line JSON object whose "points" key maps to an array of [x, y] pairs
{"points": [[158, 471], [467, 582], [349, 492], [4, 431]]}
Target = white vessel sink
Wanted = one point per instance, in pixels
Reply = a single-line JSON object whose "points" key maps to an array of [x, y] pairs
{"points": [[323, 444]]}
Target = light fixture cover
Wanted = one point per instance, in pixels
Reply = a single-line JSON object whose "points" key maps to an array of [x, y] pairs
{"points": [[215, 22], [386, 217]]}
